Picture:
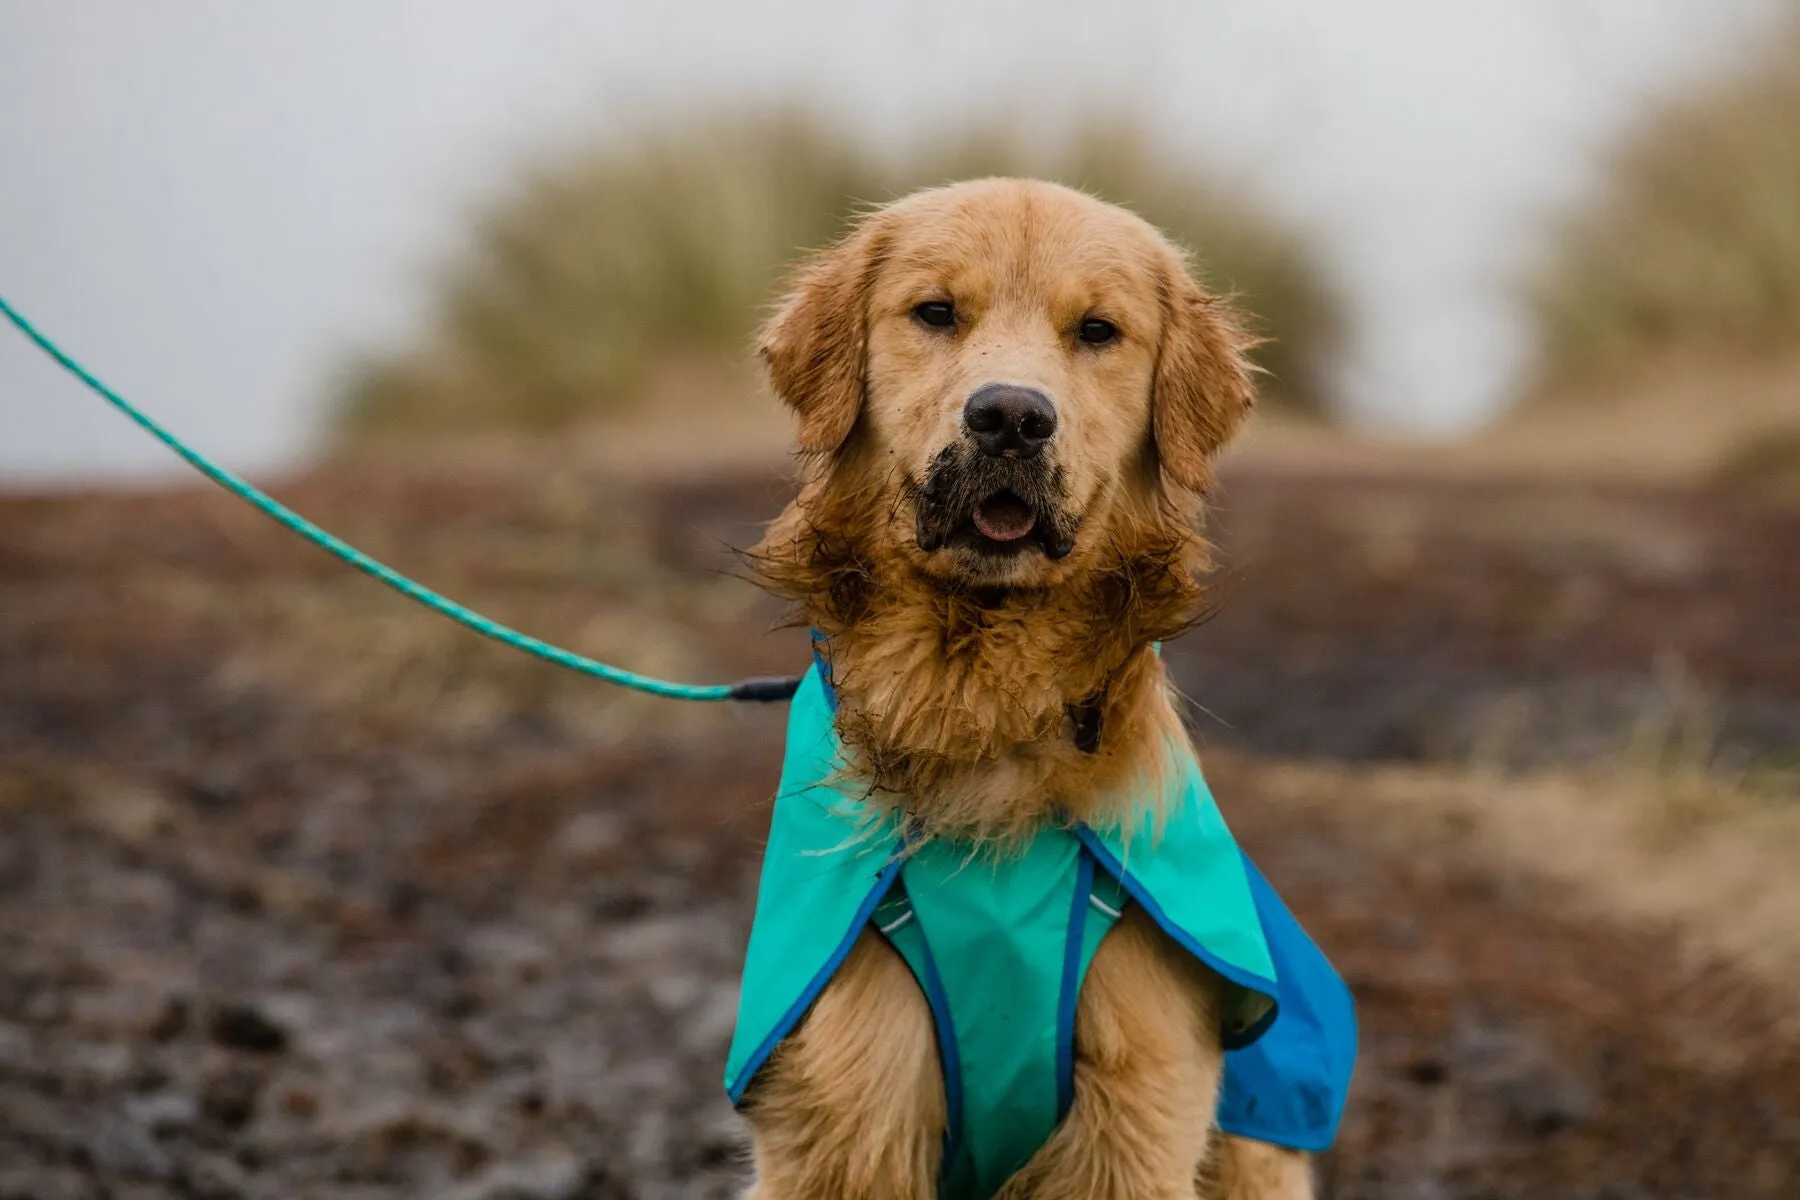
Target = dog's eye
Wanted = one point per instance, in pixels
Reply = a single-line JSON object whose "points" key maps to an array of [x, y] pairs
{"points": [[1095, 332], [939, 314]]}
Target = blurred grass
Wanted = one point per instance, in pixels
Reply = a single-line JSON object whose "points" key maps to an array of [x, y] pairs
{"points": [[1693, 241], [658, 254]]}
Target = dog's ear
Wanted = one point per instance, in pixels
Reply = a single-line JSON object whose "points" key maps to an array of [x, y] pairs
{"points": [[815, 346], [1203, 388]]}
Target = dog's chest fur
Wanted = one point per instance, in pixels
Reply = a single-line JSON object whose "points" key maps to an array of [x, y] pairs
{"points": [[986, 736]]}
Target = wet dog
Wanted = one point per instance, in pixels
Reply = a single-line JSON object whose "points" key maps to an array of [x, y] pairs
{"points": [[1008, 397]]}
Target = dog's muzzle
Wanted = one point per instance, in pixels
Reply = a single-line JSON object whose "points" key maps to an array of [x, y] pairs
{"points": [[993, 505]]}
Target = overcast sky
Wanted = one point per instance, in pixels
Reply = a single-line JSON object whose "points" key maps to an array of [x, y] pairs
{"points": [[215, 203]]}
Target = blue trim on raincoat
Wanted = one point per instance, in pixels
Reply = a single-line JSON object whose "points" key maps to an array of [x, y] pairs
{"points": [[1288, 1086]]}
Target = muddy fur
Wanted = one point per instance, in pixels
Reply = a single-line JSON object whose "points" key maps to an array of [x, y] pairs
{"points": [[985, 687], [946, 689], [960, 476]]}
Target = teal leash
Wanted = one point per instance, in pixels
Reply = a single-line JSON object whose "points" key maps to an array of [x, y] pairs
{"points": [[769, 688]]}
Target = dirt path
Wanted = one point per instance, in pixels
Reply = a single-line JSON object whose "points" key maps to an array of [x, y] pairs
{"points": [[264, 936]]}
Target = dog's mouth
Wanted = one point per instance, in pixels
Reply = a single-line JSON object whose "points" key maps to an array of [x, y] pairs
{"points": [[1003, 517], [963, 506], [1003, 524]]}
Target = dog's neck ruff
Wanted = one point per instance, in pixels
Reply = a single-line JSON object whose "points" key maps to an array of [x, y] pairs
{"points": [[999, 947]]}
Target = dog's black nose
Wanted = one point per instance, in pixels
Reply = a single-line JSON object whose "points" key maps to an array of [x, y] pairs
{"points": [[1005, 419]]}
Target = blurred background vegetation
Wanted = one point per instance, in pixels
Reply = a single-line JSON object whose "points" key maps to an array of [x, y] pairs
{"points": [[1692, 242], [628, 273], [619, 268]]}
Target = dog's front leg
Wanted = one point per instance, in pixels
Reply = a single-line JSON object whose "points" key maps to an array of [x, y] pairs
{"points": [[1147, 1068], [1247, 1170], [851, 1107]]}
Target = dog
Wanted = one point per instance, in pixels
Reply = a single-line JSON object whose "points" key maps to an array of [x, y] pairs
{"points": [[1008, 398]]}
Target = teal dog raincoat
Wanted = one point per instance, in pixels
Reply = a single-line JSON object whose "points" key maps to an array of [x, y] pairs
{"points": [[999, 948]]}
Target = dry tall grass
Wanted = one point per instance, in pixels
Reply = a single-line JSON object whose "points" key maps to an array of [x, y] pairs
{"points": [[620, 264], [1694, 239]]}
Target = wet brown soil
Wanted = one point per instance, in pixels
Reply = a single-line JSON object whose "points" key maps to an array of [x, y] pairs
{"points": [[260, 936]]}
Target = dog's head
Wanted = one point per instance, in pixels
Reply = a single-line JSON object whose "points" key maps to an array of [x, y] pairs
{"points": [[1013, 373]]}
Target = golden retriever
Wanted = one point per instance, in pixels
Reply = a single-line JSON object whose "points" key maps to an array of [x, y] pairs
{"points": [[1008, 395]]}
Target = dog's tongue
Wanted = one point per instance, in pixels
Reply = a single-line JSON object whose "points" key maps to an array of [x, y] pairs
{"points": [[1004, 518]]}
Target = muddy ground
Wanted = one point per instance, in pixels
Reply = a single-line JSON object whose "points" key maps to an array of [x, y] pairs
{"points": [[263, 933]]}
